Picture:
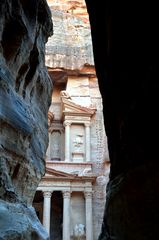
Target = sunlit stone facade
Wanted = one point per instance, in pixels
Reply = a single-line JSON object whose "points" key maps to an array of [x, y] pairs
{"points": [[70, 198]]}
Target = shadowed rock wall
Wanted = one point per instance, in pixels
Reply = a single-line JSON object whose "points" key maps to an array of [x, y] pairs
{"points": [[125, 42], [25, 92]]}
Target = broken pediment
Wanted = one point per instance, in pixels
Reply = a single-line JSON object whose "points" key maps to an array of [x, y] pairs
{"points": [[50, 172], [69, 106], [76, 175]]}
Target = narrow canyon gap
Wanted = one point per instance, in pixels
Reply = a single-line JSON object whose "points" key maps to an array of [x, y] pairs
{"points": [[77, 160], [125, 53]]}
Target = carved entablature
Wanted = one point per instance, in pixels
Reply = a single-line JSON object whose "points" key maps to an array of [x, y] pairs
{"points": [[61, 175]]}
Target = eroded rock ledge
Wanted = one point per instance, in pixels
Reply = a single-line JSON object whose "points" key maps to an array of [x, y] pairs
{"points": [[25, 90]]}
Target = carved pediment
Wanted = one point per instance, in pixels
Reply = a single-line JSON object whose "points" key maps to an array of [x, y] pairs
{"points": [[69, 106], [50, 172], [55, 174]]}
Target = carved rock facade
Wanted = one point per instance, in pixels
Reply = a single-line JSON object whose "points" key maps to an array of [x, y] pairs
{"points": [[77, 158]]}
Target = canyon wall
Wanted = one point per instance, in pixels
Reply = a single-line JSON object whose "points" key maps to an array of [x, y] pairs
{"points": [[125, 43], [25, 96]]}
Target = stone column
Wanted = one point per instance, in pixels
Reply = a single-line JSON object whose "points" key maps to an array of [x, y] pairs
{"points": [[67, 141], [46, 210], [66, 215], [87, 139], [89, 221]]}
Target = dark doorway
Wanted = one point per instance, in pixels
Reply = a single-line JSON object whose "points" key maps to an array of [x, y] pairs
{"points": [[56, 216], [38, 204]]}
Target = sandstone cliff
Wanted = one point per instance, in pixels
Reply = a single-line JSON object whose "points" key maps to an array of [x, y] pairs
{"points": [[25, 90], [70, 47]]}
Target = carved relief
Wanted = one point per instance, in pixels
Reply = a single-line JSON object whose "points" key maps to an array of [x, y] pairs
{"points": [[79, 230], [65, 94], [78, 142], [100, 140], [102, 180]]}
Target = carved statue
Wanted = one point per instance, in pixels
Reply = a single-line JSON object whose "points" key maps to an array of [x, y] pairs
{"points": [[78, 141], [79, 231], [65, 94]]}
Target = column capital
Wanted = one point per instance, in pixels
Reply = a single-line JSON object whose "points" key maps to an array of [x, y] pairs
{"points": [[87, 124], [47, 193], [88, 194], [67, 123], [66, 194]]}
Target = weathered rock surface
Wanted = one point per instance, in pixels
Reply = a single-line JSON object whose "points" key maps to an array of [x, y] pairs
{"points": [[19, 222], [77, 8], [25, 91], [126, 50], [71, 46]]}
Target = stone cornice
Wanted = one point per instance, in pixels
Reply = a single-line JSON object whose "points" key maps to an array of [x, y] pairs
{"points": [[58, 174], [52, 174]]}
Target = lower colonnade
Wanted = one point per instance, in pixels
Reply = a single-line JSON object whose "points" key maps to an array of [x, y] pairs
{"points": [[66, 213]]}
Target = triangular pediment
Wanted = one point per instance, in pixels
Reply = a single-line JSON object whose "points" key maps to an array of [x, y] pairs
{"points": [[50, 172], [72, 107], [55, 175]]}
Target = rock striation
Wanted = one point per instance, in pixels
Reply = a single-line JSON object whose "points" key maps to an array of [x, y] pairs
{"points": [[25, 95]]}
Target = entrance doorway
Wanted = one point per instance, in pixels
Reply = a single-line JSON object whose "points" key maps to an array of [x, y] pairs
{"points": [[56, 216]]}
